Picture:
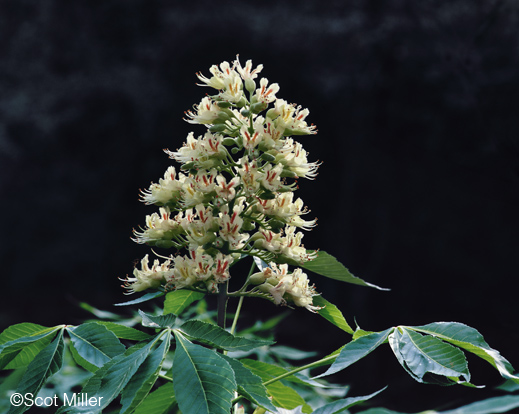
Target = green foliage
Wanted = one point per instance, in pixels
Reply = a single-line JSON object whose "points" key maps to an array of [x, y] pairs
{"points": [[327, 265]]}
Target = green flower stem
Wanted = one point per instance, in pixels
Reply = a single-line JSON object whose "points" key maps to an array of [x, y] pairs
{"points": [[223, 297], [237, 314]]}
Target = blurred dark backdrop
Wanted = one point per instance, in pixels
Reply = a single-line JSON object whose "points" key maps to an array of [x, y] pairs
{"points": [[416, 104]]}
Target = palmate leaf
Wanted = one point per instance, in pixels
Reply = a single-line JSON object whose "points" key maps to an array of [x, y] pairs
{"points": [[27, 353], [427, 359], [269, 371], [471, 340], [158, 401], [356, 350], [217, 337], [341, 405], [331, 313], [41, 368], [178, 300], [327, 265], [109, 380], [250, 385], [94, 344], [12, 352], [144, 379], [203, 381]]}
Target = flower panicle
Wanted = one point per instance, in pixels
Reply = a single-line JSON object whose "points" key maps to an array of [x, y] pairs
{"points": [[233, 194]]}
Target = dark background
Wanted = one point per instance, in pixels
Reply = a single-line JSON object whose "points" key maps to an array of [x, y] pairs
{"points": [[416, 103]]}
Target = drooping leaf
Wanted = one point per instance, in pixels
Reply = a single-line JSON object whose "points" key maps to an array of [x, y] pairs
{"points": [[331, 313], [160, 321], [94, 344], [124, 332], [28, 352], [427, 359], [327, 265], [144, 298], [250, 385], [203, 381], [493, 405], [11, 352], [342, 405], [471, 340], [41, 368], [282, 395], [178, 300], [109, 380], [143, 380], [356, 350], [158, 401], [489, 406], [217, 337]]}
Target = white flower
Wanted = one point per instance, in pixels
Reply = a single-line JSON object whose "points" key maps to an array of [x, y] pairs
{"points": [[158, 226], [206, 112], [247, 72], [293, 156], [217, 81], [249, 175], [266, 94], [292, 117], [226, 190], [271, 179], [233, 89], [147, 277], [168, 188]]}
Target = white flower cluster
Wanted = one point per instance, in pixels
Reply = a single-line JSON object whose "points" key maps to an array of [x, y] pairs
{"points": [[234, 195]]}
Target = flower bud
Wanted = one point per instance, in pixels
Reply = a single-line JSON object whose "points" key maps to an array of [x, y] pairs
{"points": [[276, 224], [268, 157], [250, 85], [241, 103], [288, 173], [257, 278], [267, 195], [217, 128], [223, 104], [164, 244], [258, 107], [228, 142], [272, 113], [245, 112]]}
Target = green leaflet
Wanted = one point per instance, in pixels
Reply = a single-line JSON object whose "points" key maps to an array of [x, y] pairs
{"points": [[341, 405], [426, 357], [143, 298], [250, 385], [282, 395], [158, 401], [143, 380], [356, 350], [178, 300], [160, 321], [203, 381], [109, 380], [27, 353], [94, 344], [489, 406], [124, 332], [12, 352], [327, 265], [217, 337], [471, 340], [331, 313], [41, 368]]}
